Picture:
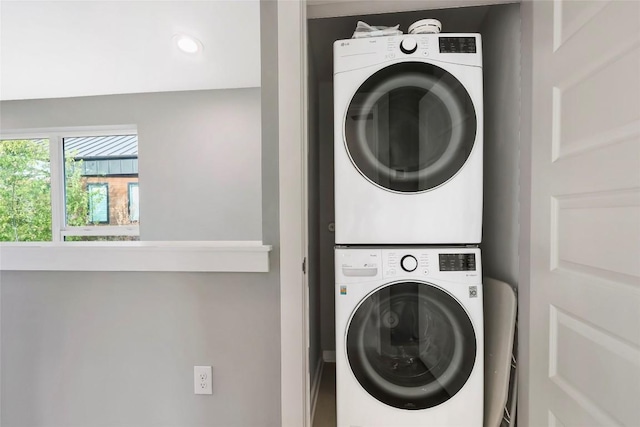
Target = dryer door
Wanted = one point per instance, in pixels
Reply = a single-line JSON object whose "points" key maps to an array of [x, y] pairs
{"points": [[411, 345], [410, 127]]}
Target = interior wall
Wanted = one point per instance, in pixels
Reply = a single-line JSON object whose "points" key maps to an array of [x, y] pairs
{"points": [[115, 348], [524, 282], [199, 155], [118, 349], [270, 151], [313, 262], [327, 216], [501, 65]]}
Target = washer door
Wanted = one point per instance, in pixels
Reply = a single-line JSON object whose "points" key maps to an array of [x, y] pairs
{"points": [[410, 127], [411, 345]]}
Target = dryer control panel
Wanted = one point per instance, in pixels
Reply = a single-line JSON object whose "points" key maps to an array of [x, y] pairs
{"points": [[452, 48], [457, 44]]}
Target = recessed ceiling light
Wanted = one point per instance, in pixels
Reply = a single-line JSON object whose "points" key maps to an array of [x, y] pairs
{"points": [[187, 43]]}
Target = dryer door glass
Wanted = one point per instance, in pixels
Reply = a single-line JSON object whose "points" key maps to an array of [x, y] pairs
{"points": [[410, 127], [411, 345]]}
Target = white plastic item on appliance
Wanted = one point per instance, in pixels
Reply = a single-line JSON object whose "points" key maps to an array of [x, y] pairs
{"points": [[365, 30], [425, 26]]}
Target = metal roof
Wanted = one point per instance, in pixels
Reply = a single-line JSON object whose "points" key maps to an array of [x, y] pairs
{"points": [[102, 146]]}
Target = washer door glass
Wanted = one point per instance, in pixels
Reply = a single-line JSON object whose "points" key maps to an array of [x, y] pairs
{"points": [[410, 127], [411, 345]]}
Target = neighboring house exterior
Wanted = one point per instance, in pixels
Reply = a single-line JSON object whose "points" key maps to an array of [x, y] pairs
{"points": [[110, 175]]}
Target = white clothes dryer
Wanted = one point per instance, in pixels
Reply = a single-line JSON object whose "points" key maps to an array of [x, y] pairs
{"points": [[408, 126], [409, 337]]}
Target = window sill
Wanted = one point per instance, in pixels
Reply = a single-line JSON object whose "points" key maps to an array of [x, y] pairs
{"points": [[192, 256]]}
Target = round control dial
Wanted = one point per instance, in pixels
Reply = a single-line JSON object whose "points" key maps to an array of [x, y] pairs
{"points": [[408, 45], [409, 263]]}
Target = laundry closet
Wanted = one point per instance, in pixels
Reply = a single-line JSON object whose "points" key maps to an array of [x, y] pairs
{"points": [[561, 217], [499, 27]]}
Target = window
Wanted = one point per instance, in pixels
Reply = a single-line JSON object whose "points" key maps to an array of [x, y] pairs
{"points": [[25, 190], [92, 162], [134, 204], [98, 203], [70, 185]]}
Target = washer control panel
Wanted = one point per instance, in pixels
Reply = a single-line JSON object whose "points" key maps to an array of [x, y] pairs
{"points": [[425, 263], [371, 264], [400, 262]]}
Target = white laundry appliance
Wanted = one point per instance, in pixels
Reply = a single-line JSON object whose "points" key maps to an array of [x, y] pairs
{"points": [[408, 127], [409, 337]]}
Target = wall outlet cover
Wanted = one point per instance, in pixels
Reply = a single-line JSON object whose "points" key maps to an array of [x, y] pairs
{"points": [[202, 381]]}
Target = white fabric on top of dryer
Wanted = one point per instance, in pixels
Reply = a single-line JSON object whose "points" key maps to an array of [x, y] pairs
{"points": [[365, 30]]}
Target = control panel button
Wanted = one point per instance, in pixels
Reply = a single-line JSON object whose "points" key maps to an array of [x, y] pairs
{"points": [[409, 263], [408, 45]]}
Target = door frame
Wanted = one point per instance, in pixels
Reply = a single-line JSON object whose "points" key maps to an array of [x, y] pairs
{"points": [[293, 201], [292, 92]]}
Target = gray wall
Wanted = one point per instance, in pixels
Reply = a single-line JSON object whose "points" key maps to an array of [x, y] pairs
{"points": [[270, 195], [313, 270], [327, 215], [118, 349], [107, 349], [199, 155], [500, 238], [524, 283]]}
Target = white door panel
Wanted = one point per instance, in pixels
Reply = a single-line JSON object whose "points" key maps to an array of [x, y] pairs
{"points": [[606, 305], [601, 169], [585, 215]]}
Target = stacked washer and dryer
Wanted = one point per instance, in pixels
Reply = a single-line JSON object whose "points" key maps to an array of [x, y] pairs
{"points": [[408, 211]]}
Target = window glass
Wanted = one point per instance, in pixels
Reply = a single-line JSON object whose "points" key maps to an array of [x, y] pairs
{"points": [[98, 203], [25, 190], [134, 203], [111, 160]]}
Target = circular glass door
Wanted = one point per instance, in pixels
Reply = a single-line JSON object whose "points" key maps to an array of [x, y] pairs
{"points": [[411, 345], [410, 127]]}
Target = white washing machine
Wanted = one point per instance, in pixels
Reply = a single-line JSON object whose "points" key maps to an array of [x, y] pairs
{"points": [[408, 126], [409, 337]]}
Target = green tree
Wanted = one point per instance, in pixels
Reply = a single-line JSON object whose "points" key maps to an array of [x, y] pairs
{"points": [[77, 198], [25, 191]]}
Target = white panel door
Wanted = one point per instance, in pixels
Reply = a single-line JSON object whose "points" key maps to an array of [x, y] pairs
{"points": [[585, 215]]}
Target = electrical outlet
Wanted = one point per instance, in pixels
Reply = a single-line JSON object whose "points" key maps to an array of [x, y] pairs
{"points": [[202, 380]]}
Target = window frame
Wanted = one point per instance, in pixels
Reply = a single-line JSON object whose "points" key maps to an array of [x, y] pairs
{"points": [[59, 228]]}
